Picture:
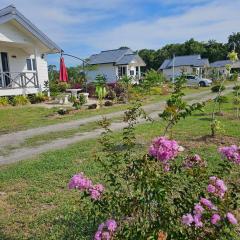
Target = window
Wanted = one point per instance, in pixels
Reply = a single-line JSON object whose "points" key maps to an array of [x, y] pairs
{"points": [[121, 71], [31, 64], [132, 72]]}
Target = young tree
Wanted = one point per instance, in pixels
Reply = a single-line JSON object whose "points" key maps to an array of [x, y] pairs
{"points": [[177, 108], [100, 83]]}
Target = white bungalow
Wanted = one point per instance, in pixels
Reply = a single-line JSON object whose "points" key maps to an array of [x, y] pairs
{"points": [[23, 50], [191, 64], [114, 64]]}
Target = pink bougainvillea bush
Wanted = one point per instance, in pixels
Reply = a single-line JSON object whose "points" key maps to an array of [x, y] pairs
{"points": [[84, 184], [165, 193], [232, 153], [164, 150]]}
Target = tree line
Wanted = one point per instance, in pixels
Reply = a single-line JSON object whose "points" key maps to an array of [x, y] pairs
{"points": [[212, 50]]}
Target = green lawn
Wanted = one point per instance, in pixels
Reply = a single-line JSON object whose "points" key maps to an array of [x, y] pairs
{"points": [[34, 199], [25, 117]]}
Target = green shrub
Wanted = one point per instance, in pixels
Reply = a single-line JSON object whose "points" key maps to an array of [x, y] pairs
{"points": [[218, 88], [92, 106], [220, 100], [236, 88], [63, 111], [152, 78], [111, 95], [20, 100], [234, 77], [78, 103], [63, 86], [72, 99], [36, 98], [155, 90], [108, 104], [4, 101]]}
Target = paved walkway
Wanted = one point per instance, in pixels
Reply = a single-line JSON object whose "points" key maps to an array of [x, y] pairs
{"points": [[24, 153]]}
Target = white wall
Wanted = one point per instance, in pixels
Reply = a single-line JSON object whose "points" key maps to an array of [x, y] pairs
{"points": [[177, 71], [16, 43], [108, 70], [9, 33]]}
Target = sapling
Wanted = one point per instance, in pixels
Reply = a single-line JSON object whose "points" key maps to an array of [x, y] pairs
{"points": [[176, 108], [233, 56], [101, 92]]}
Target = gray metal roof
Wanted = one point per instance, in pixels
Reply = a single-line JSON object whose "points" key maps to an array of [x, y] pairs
{"points": [[129, 58], [190, 60], [116, 56], [11, 13], [223, 63]]}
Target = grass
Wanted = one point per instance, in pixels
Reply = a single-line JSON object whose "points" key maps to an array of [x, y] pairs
{"points": [[25, 117], [35, 202]]}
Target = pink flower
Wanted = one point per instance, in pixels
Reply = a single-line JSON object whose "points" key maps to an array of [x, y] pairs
{"points": [[213, 178], [221, 185], [231, 218], [197, 220], [111, 225], [207, 203], [95, 194], [211, 188], [79, 181], [164, 150], [96, 191], [106, 236], [198, 209], [232, 153], [187, 219], [98, 235], [194, 161], [99, 187], [215, 218], [217, 187], [106, 230]]}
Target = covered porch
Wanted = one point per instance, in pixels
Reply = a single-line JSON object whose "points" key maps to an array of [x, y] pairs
{"points": [[18, 69]]}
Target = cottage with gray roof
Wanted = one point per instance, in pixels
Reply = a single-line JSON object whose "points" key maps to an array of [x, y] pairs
{"points": [[114, 64], [221, 66], [23, 50], [191, 64]]}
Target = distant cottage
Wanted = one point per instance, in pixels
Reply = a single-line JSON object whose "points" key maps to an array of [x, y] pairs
{"points": [[192, 64], [221, 66], [114, 64]]}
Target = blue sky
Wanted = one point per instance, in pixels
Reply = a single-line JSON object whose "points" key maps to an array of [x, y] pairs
{"points": [[85, 27]]}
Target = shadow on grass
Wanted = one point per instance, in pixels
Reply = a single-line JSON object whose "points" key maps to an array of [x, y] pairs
{"points": [[77, 226], [4, 237]]}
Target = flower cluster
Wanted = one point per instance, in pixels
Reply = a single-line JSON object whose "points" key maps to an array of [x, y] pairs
{"points": [[106, 230], [217, 187], [164, 150], [194, 161], [82, 183], [196, 218], [232, 153]]}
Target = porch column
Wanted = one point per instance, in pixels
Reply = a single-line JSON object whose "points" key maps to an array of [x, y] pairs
{"points": [[36, 61], [139, 72]]}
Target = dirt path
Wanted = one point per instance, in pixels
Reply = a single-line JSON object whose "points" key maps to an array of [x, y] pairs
{"points": [[14, 139]]}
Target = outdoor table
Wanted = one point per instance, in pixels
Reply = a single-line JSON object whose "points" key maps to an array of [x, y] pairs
{"points": [[74, 92]]}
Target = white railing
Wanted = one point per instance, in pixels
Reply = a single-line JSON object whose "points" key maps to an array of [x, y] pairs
{"points": [[10, 80]]}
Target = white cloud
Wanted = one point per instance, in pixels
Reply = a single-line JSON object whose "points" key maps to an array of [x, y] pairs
{"points": [[212, 21], [85, 26]]}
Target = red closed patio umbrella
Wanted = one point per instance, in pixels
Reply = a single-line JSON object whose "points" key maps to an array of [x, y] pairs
{"points": [[63, 75]]}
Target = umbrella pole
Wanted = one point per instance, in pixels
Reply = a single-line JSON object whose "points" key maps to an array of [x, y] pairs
{"points": [[83, 64]]}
